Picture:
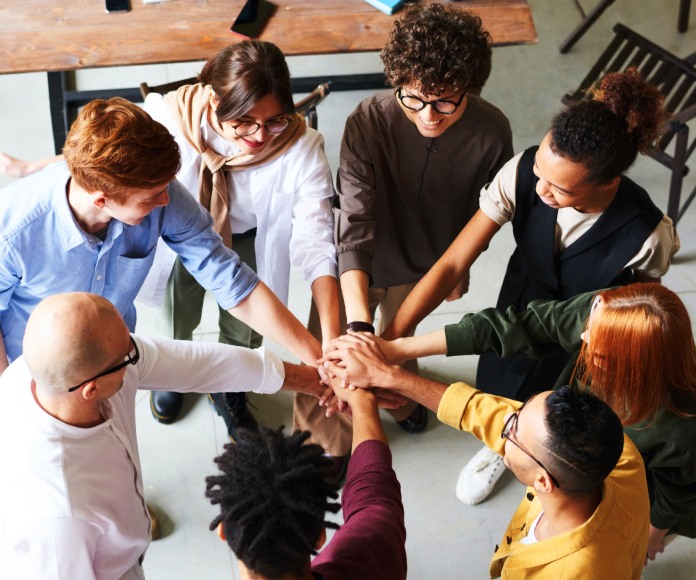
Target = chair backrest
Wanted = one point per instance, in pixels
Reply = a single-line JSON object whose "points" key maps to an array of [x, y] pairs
{"points": [[674, 77], [306, 106]]}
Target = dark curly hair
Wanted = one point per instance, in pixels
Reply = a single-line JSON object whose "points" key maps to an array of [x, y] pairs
{"points": [[273, 495], [244, 73], [438, 48], [584, 440], [605, 134]]}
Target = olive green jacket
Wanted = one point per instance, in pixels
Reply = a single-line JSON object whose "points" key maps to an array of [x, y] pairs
{"points": [[666, 442]]}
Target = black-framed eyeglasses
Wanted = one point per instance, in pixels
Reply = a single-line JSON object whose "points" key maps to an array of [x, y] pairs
{"points": [[510, 427], [130, 359], [442, 106], [248, 128]]}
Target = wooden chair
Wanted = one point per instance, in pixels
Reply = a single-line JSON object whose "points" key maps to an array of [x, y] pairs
{"points": [[306, 106], [593, 15], [676, 79]]}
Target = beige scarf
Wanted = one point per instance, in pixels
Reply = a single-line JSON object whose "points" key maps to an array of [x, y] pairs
{"points": [[189, 104]]}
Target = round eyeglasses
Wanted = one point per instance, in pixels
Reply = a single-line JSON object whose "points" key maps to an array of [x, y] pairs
{"points": [[248, 128], [131, 358], [442, 106]]}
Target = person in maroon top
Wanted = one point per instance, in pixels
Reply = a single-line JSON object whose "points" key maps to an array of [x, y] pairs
{"points": [[274, 491]]}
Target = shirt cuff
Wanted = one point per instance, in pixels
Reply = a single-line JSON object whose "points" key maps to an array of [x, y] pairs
{"points": [[460, 338], [245, 280], [354, 260], [453, 404], [325, 268], [273, 372]]}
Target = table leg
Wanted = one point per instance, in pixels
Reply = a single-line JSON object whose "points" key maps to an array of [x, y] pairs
{"points": [[59, 109]]}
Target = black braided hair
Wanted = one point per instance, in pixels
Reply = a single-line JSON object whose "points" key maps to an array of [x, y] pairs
{"points": [[273, 493]]}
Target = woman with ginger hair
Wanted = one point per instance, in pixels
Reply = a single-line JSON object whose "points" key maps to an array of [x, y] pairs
{"points": [[634, 347]]}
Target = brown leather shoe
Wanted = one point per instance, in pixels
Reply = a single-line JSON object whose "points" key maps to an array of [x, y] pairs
{"points": [[156, 531]]}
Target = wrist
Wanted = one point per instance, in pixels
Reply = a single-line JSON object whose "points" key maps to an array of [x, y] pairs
{"points": [[399, 348], [329, 332], [390, 377]]}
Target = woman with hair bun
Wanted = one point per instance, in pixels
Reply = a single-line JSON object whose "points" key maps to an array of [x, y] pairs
{"points": [[579, 225]]}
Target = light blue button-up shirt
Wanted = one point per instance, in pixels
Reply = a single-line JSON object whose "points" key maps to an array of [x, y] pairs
{"points": [[44, 251]]}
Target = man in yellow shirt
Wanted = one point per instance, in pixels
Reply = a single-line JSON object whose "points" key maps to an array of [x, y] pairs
{"points": [[586, 510]]}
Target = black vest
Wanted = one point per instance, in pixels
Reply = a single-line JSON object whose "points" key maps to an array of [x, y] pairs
{"points": [[594, 261]]}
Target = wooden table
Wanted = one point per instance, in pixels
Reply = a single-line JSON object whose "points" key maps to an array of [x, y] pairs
{"points": [[65, 35]]}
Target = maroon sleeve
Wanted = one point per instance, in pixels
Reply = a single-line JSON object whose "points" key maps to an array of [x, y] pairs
{"points": [[371, 542]]}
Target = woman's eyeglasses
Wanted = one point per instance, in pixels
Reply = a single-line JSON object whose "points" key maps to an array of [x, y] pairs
{"points": [[248, 128]]}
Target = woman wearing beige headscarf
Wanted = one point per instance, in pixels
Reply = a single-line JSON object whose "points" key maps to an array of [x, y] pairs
{"points": [[264, 177]]}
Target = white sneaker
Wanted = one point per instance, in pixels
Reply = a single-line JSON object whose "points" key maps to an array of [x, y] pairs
{"points": [[477, 479]]}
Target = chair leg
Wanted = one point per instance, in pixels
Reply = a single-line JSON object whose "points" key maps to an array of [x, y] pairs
{"points": [[675, 186], [584, 26], [686, 204], [684, 8]]}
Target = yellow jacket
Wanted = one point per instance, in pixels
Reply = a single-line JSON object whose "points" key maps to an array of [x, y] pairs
{"points": [[610, 545]]}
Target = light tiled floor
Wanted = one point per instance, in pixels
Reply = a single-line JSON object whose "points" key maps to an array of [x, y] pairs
{"points": [[445, 538]]}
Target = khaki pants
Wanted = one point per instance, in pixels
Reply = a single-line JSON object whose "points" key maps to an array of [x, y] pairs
{"points": [[183, 305]]}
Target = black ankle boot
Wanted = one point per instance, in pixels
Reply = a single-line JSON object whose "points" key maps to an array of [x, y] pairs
{"points": [[165, 406], [232, 407]]}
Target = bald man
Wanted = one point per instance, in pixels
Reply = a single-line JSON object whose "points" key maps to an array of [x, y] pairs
{"points": [[71, 494]]}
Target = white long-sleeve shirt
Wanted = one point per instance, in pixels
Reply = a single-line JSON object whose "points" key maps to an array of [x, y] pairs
{"points": [[289, 200], [72, 504]]}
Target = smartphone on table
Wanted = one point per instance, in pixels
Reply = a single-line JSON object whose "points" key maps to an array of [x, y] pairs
{"points": [[253, 18], [117, 5]]}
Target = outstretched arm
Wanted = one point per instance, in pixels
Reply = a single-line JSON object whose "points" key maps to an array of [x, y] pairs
{"points": [[268, 316], [325, 295], [402, 349], [14, 167], [442, 278], [371, 500], [354, 285], [367, 425]]}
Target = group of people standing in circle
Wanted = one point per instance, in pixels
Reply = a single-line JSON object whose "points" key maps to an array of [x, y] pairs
{"points": [[427, 177]]}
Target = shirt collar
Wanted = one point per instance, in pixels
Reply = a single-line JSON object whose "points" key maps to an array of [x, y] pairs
{"points": [[70, 232]]}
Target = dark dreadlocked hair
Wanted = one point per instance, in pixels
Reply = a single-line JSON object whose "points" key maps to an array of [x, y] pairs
{"points": [[273, 494]]}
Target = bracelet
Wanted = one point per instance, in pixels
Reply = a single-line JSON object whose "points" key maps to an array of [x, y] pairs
{"points": [[359, 326]]}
